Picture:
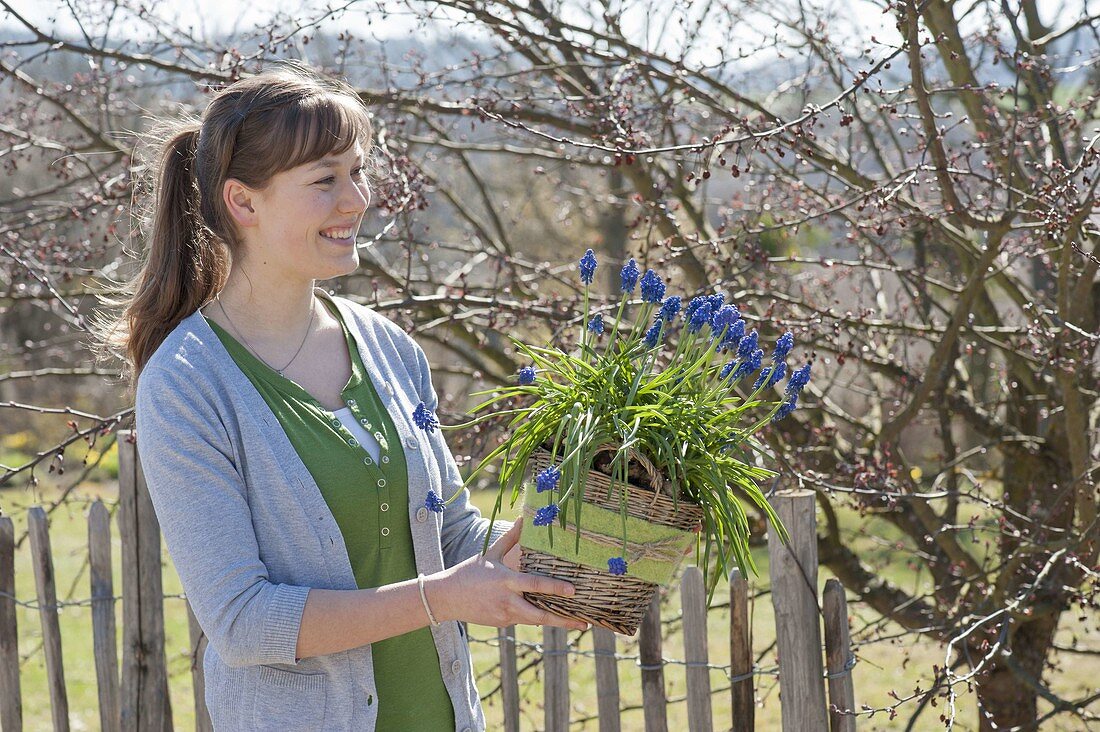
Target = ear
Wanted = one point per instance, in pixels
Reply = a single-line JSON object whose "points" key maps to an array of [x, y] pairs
{"points": [[238, 199]]}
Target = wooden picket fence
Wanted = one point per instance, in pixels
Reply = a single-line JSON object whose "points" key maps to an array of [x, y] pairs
{"points": [[134, 696]]}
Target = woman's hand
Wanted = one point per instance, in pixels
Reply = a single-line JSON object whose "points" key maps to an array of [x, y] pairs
{"points": [[485, 591]]}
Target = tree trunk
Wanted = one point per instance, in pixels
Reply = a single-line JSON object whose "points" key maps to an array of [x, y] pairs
{"points": [[1005, 700]]}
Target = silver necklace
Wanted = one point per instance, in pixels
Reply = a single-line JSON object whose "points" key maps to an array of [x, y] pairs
{"points": [[312, 312]]}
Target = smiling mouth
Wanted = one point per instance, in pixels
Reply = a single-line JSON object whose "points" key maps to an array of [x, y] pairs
{"points": [[339, 235]]}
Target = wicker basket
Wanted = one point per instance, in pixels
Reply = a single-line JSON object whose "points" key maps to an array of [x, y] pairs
{"points": [[615, 602]]}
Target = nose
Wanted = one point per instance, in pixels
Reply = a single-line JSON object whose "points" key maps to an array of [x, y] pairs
{"points": [[355, 198]]}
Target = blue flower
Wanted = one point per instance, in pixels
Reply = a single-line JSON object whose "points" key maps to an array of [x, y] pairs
{"points": [[588, 267], [699, 317], [693, 306], [424, 418], [726, 370], [772, 374], [716, 301], [653, 287], [670, 308], [783, 347], [547, 479], [787, 407], [433, 502], [527, 376], [747, 345], [724, 318], [629, 276], [734, 335], [798, 380], [546, 515], [749, 365], [616, 565], [653, 335], [596, 324]]}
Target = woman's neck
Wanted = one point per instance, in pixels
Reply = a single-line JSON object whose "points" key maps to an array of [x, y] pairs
{"points": [[275, 316]]}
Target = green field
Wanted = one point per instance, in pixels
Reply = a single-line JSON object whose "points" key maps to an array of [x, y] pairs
{"points": [[884, 665]]}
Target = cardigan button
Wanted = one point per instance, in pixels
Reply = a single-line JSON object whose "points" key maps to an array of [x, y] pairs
{"points": [[411, 442], [456, 667], [421, 515]]}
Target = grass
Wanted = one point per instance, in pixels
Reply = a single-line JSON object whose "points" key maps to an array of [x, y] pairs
{"points": [[884, 665]]}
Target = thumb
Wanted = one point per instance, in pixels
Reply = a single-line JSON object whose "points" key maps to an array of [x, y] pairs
{"points": [[506, 541]]}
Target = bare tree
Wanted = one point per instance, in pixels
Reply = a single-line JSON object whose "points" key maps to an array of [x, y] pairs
{"points": [[915, 201]]}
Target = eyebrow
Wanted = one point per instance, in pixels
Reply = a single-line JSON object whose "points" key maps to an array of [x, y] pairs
{"points": [[331, 163]]}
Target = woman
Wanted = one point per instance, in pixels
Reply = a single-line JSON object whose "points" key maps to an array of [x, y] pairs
{"points": [[276, 432]]}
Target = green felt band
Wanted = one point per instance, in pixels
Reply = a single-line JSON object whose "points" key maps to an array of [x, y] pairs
{"points": [[653, 552]]}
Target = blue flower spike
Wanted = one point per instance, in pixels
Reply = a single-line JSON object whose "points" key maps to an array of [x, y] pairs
{"points": [[546, 515], [588, 266], [747, 346], [629, 276], [734, 335], [547, 479], [653, 287], [433, 502], [616, 565], [798, 380], [527, 376], [671, 308], [653, 335], [783, 347], [424, 418], [724, 318], [787, 407], [596, 324]]}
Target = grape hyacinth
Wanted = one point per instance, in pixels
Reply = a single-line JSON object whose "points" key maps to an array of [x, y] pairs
{"points": [[773, 374], [783, 346], [433, 502], [726, 370], [798, 380], [616, 565], [546, 515], [547, 479], [653, 287], [724, 318], [750, 365], [733, 336], [699, 317], [527, 376], [424, 418], [747, 345], [653, 335], [629, 276], [588, 266], [596, 324], [670, 309], [786, 408]]}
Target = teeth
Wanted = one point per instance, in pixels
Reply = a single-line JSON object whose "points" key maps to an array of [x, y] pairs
{"points": [[336, 233]]}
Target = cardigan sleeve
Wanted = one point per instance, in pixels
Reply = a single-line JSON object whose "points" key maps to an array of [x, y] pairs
{"points": [[464, 529], [200, 500]]}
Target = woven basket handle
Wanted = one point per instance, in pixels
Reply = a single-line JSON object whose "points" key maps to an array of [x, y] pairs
{"points": [[656, 481]]}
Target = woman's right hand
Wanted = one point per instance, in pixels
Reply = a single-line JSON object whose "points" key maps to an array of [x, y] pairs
{"points": [[482, 590]]}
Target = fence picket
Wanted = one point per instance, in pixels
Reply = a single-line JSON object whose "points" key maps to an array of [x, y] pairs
{"points": [[653, 668], [198, 681], [693, 602], [837, 650], [555, 660], [144, 700], [741, 692], [793, 571], [104, 639], [47, 610], [607, 679], [11, 696]]}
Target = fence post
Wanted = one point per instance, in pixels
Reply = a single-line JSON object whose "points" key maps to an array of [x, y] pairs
{"points": [[47, 611], [555, 664], [793, 570], [693, 601], [11, 696], [145, 704], [198, 681], [741, 692], [653, 668], [607, 679], [104, 639], [509, 678], [837, 650]]}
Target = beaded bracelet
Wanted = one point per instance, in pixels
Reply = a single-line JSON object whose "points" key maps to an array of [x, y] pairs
{"points": [[424, 599]]}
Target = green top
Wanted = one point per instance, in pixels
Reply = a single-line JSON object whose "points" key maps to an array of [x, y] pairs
{"points": [[369, 501]]}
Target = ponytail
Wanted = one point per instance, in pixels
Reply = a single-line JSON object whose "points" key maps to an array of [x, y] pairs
{"points": [[184, 267]]}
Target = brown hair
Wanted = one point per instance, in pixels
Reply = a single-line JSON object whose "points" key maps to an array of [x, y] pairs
{"points": [[252, 129]]}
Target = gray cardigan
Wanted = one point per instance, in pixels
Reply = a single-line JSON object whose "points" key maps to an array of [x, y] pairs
{"points": [[250, 533]]}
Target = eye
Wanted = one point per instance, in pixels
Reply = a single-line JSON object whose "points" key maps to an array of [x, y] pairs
{"points": [[326, 181]]}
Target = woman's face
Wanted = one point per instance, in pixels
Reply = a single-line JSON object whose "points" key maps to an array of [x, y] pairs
{"points": [[306, 218]]}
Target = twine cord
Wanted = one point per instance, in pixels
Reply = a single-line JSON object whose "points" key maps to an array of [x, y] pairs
{"points": [[661, 550]]}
